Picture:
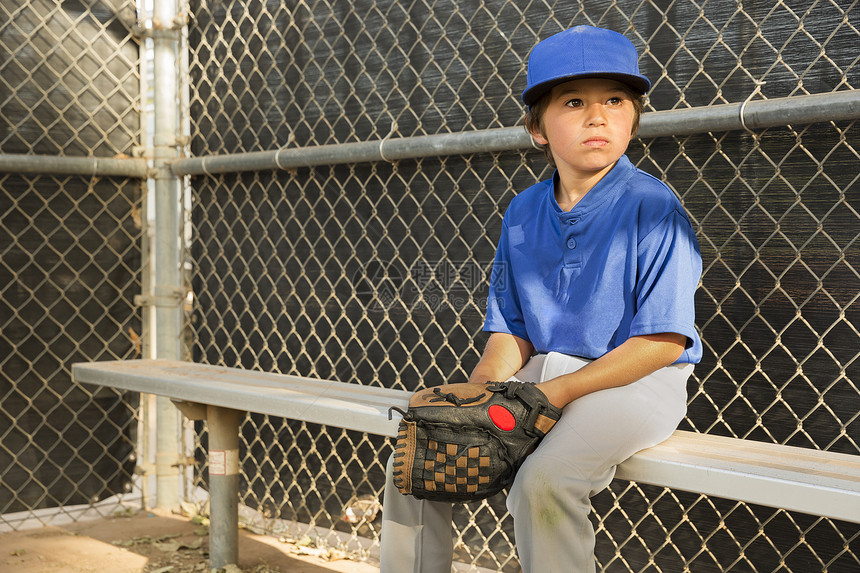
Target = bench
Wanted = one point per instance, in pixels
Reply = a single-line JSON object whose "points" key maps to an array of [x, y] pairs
{"points": [[787, 477]]}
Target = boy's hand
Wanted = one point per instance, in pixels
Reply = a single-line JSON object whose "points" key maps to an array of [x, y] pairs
{"points": [[554, 392]]}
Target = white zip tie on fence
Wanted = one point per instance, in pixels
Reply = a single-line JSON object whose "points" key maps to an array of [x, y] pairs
{"points": [[742, 110], [386, 138]]}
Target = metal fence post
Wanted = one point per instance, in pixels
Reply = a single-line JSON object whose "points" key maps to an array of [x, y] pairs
{"points": [[168, 292]]}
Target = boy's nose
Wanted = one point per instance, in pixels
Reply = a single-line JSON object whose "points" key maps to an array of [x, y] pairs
{"points": [[596, 115]]}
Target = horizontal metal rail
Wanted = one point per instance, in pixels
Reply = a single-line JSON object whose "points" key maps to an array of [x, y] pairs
{"points": [[499, 139], [88, 166], [759, 114], [749, 115]]}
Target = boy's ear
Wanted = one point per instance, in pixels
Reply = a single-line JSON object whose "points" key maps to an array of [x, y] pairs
{"points": [[538, 136]]}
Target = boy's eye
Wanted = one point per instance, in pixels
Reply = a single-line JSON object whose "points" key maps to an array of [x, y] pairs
{"points": [[615, 101], [575, 102]]}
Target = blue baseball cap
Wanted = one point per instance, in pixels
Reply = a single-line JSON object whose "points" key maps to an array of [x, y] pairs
{"points": [[582, 52]]}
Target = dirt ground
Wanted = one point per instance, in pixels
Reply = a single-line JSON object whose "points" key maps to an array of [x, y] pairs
{"points": [[154, 542]]}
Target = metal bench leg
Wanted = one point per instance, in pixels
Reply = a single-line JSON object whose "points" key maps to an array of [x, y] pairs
{"points": [[223, 485]]}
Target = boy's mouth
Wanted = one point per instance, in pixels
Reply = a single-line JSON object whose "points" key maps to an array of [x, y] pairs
{"points": [[596, 142]]}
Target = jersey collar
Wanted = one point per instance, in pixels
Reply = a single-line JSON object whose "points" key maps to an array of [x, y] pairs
{"points": [[605, 189]]}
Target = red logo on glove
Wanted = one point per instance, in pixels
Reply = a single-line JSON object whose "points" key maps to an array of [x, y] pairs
{"points": [[502, 417]]}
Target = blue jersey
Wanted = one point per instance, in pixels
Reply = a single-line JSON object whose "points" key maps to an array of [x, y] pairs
{"points": [[623, 262]]}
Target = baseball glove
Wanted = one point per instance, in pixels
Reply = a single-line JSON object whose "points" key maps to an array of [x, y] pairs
{"points": [[465, 442]]}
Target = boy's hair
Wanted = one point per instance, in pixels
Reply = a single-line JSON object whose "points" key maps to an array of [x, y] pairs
{"points": [[534, 117]]}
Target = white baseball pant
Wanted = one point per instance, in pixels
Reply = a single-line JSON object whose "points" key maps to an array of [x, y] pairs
{"points": [[549, 499]]}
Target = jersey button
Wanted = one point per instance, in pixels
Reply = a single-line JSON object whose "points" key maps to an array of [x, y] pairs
{"points": [[571, 243]]}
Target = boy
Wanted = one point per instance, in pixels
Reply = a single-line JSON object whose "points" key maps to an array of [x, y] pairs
{"points": [[591, 296]]}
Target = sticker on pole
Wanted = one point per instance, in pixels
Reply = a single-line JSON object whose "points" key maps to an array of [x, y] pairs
{"points": [[223, 462]]}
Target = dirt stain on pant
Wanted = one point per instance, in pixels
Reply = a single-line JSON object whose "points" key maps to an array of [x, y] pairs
{"points": [[548, 504]]}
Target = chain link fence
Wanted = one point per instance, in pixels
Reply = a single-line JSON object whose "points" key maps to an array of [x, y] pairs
{"points": [[70, 258], [375, 272]]}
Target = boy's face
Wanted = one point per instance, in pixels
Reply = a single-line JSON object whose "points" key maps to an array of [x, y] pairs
{"points": [[587, 124]]}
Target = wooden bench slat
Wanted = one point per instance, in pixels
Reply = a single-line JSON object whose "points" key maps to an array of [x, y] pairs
{"points": [[800, 479], [350, 406]]}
